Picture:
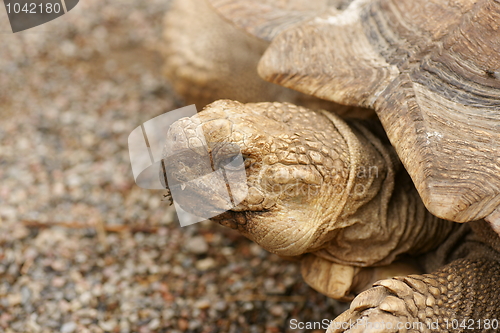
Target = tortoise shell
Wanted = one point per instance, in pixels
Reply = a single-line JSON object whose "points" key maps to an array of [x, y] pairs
{"points": [[430, 69]]}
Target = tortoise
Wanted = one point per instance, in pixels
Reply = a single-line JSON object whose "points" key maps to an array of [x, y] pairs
{"points": [[430, 72]]}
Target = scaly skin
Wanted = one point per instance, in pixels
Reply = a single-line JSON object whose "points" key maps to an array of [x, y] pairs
{"points": [[315, 185]]}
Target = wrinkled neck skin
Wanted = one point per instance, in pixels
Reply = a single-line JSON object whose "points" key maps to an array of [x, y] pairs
{"points": [[315, 183], [384, 216]]}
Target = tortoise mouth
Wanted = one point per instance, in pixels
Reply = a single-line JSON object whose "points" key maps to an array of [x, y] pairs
{"points": [[206, 182], [273, 231], [232, 219]]}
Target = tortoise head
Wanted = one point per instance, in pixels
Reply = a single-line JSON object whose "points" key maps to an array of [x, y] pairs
{"points": [[295, 167]]}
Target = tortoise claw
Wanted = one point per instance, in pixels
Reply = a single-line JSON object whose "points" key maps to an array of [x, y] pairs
{"points": [[375, 310]]}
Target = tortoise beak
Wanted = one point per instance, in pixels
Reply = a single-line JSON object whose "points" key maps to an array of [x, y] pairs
{"points": [[194, 185]]}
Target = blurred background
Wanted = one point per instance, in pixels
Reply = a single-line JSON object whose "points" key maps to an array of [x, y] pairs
{"points": [[82, 248]]}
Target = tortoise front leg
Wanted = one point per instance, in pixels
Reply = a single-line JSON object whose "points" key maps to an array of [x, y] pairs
{"points": [[343, 282], [460, 297]]}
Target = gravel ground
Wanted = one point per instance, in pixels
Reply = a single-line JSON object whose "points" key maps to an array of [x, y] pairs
{"points": [[82, 249]]}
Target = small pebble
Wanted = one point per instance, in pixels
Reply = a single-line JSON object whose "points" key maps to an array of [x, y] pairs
{"points": [[205, 264], [58, 282], [14, 299], [202, 304], [277, 310], [183, 324], [108, 325], [154, 324], [68, 327], [197, 245]]}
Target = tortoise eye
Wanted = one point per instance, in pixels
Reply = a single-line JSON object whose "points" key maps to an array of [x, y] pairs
{"points": [[235, 162]]}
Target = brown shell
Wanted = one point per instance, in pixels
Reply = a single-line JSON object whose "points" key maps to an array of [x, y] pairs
{"points": [[430, 69], [267, 18], [207, 58]]}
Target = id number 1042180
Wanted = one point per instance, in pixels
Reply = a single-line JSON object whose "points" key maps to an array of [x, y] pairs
{"points": [[33, 8], [471, 324]]}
